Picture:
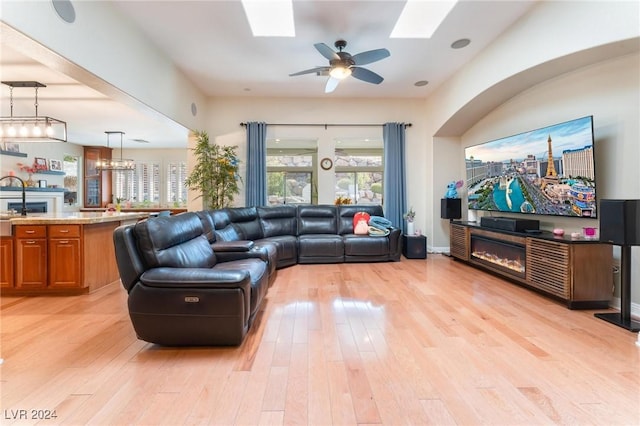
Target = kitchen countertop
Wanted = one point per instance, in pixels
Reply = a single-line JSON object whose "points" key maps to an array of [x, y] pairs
{"points": [[78, 218]]}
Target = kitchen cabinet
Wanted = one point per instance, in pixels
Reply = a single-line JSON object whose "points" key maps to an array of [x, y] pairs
{"points": [[97, 183], [64, 256], [6, 261], [30, 257]]}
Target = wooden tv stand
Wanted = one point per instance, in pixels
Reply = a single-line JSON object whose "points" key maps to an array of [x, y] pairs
{"points": [[577, 272]]}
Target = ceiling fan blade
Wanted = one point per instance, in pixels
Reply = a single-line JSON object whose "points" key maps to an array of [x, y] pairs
{"points": [[326, 51], [366, 75], [332, 83], [370, 56], [310, 71]]}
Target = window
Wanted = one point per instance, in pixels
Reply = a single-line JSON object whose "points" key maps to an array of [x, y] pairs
{"points": [[141, 187], [359, 175], [176, 190], [70, 166], [290, 177]]}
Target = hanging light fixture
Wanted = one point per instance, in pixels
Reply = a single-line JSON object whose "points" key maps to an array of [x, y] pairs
{"points": [[30, 128], [121, 164]]}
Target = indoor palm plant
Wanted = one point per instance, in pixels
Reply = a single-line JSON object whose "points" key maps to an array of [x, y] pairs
{"points": [[215, 174]]}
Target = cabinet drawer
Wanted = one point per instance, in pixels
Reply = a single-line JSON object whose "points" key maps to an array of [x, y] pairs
{"points": [[64, 231], [31, 231]]}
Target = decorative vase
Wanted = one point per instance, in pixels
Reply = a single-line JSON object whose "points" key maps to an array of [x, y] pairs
{"points": [[410, 230], [30, 182]]}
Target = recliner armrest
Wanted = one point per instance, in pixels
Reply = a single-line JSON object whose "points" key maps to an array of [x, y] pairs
{"points": [[254, 253], [233, 246], [196, 278]]}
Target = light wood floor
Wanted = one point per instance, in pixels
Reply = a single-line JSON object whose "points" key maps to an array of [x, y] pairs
{"points": [[415, 342]]}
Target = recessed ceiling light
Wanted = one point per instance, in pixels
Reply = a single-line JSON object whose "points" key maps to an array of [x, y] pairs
{"points": [[459, 44], [420, 19], [270, 18], [421, 83]]}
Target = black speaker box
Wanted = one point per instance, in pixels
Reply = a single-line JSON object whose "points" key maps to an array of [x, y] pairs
{"points": [[509, 223], [450, 208], [620, 222], [414, 246]]}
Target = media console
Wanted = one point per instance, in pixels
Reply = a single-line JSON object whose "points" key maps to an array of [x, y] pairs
{"points": [[577, 272]]}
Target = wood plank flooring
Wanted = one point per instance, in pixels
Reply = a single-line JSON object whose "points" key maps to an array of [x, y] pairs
{"points": [[413, 342]]}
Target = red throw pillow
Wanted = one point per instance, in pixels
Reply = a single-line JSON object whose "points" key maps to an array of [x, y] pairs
{"points": [[361, 223]]}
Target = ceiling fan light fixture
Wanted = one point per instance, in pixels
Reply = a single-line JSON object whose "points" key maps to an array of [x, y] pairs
{"points": [[340, 72]]}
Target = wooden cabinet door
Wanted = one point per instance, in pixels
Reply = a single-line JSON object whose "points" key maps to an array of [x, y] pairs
{"points": [[97, 184], [459, 241], [6, 262], [31, 263], [65, 263], [65, 256]]}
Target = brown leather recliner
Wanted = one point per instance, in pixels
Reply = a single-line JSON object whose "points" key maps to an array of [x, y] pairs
{"points": [[180, 293]]}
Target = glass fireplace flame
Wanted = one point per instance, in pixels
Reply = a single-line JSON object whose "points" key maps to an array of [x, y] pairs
{"points": [[508, 257]]}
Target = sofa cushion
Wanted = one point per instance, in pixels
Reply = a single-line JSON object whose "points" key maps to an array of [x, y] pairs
{"points": [[346, 213], [286, 247], [278, 220], [257, 270], [206, 217], [174, 241], [320, 245], [321, 219], [364, 245], [224, 229], [246, 221]]}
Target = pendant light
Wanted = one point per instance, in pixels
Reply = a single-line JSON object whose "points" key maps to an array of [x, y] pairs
{"points": [[34, 128], [115, 164]]}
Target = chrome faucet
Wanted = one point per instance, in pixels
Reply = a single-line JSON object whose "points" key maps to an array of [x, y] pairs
{"points": [[24, 195]]}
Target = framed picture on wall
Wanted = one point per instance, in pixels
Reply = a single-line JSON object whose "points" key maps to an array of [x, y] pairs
{"points": [[55, 165], [41, 163]]}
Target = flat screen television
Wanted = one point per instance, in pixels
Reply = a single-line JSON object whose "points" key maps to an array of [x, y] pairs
{"points": [[548, 171]]}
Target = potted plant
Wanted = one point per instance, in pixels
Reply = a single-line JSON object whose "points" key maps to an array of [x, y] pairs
{"points": [[215, 174], [409, 217]]}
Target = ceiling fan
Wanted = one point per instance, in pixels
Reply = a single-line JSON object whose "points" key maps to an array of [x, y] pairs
{"points": [[343, 64]]}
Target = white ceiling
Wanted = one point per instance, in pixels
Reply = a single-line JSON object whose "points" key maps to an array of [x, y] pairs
{"points": [[212, 44]]}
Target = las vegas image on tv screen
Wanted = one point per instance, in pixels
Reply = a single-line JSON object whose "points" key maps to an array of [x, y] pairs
{"points": [[547, 171]]}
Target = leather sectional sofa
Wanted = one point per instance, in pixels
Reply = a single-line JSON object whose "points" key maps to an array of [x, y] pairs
{"points": [[199, 278], [304, 233]]}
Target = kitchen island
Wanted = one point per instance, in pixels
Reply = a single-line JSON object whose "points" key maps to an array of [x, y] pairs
{"points": [[60, 253]]}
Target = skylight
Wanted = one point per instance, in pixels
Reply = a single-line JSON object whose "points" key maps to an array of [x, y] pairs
{"points": [[270, 18], [421, 18]]}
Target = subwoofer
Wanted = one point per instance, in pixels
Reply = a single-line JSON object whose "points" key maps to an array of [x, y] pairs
{"points": [[450, 208], [620, 222]]}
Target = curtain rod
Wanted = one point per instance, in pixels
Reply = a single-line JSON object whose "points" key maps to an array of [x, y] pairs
{"points": [[325, 125]]}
